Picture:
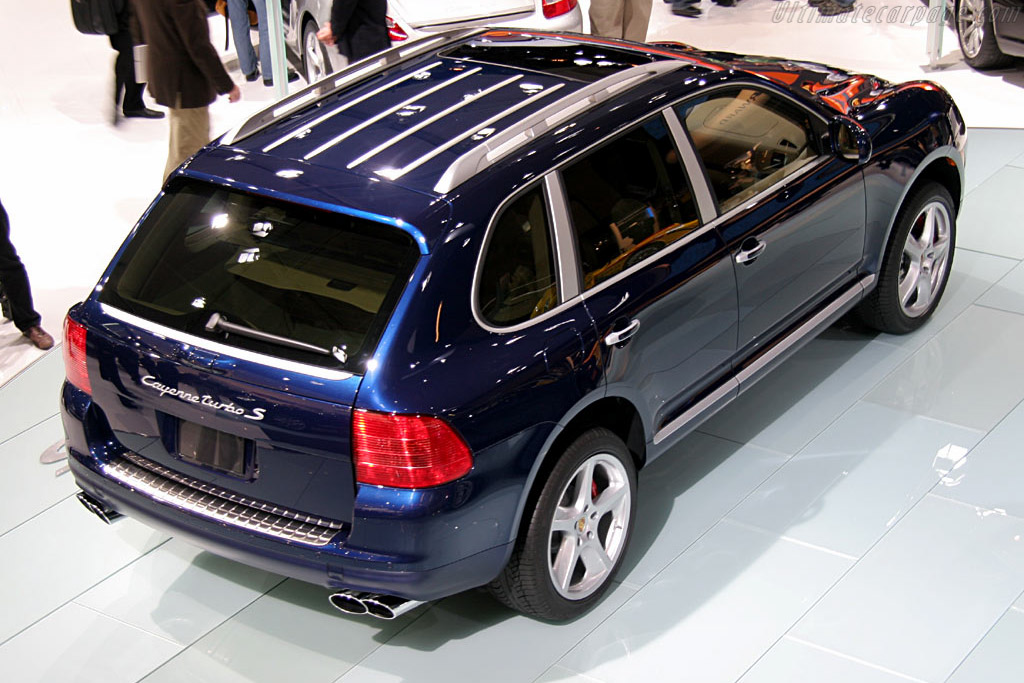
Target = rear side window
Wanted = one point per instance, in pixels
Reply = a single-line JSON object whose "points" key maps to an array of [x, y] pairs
{"points": [[517, 279], [275, 278]]}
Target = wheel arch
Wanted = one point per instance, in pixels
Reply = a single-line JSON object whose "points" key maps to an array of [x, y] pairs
{"points": [[611, 412], [943, 166]]}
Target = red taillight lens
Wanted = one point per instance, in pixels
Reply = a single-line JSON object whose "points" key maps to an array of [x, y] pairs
{"points": [[556, 8], [406, 451], [395, 31], [74, 355]]}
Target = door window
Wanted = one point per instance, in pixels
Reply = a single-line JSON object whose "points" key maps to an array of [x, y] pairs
{"points": [[628, 200], [517, 280], [748, 140]]}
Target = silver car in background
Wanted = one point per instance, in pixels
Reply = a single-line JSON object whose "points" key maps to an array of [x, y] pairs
{"points": [[410, 19]]}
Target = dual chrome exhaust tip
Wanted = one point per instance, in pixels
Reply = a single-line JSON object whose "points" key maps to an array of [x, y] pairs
{"points": [[98, 508], [373, 604]]}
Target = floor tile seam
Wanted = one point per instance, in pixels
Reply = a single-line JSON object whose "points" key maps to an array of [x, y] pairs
{"points": [[41, 512], [27, 429], [586, 677], [56, 349], [839, 579], [75, 598], [188, 647], [790, 539], [118, 620], [993, 307], [974, 506], [851, 658], [980, 640]]}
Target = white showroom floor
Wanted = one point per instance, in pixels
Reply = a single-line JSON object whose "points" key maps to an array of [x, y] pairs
{"points": [[858, 516]]}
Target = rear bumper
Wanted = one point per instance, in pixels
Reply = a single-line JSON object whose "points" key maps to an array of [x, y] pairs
{"points": [[329, 565]]}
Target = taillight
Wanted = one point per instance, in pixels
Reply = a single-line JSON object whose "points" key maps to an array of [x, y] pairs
{"points": [[556, 8], [406, 451], [395, 31], [74, 355]]}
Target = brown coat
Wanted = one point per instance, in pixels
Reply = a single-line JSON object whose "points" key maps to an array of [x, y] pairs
{"points": [[184, 70]]}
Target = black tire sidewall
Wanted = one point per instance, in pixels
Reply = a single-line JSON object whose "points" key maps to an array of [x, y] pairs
{"points": [[552, 605]]}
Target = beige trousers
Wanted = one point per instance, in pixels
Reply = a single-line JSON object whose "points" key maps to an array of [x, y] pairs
{"points": [[620, 18], [190, 130]]}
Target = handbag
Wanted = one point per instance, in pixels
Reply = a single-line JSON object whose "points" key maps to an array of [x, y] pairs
{"points": [[96, 17], [222, 9]]}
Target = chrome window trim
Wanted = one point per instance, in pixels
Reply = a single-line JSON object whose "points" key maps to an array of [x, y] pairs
{"points": [[475, 300], [217, 347], [706, 206], [565, 247]]}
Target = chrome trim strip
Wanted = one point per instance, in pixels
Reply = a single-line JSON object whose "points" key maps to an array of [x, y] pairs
{"points": [[807, 329], [210, 506], [736, 382], [331, 84], [719, 394], [469, 99], [348, 105], [565, 248], [692, 166], [398, 173], [498, 146], [216, 347], [389, 111], [155, 468]]}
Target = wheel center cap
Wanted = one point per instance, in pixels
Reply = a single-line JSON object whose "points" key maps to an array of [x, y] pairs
{"points": [[581, 524]]}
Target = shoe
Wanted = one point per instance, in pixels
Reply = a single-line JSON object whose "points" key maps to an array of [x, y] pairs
{"points": [[831, 8], [252, 76], [725, 3], [144, 113], [39, 338], [293, 76], [685, 9]]}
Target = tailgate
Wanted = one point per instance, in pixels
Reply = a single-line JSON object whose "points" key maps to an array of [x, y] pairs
{"points": [[426, 13]]}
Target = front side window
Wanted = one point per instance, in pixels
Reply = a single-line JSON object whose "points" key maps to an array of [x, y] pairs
{"points": [[280, 279], [748, 140], [517, 278], [628, 200]]}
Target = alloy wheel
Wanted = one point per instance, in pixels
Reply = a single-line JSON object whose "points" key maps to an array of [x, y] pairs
{"points": [[590, 527], [925, 263], [314, 57], [971, 24]]}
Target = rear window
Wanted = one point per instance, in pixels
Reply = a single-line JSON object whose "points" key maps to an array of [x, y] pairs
{"points": [[280, 279]]}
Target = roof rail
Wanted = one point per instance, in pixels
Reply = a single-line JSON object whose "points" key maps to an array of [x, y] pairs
{"points": [[494, 148], [329, 85]]}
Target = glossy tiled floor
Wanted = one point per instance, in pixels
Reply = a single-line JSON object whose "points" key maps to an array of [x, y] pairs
{"points": [[857, 516]]}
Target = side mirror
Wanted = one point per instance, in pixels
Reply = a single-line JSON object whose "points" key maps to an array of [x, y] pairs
{"points": [[850, 140]]}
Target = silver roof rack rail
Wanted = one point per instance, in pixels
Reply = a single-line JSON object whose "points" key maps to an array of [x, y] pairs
{"points": [[494, 148], [329, 85]]}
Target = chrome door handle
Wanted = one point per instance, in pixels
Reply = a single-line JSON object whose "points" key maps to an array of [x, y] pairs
{"points": [[615, 338], [749, 253]]}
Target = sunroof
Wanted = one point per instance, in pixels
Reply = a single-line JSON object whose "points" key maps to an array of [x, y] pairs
{"points": [[571, 60]]}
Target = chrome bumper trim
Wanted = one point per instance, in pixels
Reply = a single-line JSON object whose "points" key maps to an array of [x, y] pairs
{"points": [[171, 488]]}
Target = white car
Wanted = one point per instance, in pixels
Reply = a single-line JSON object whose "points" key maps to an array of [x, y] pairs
{"points": [[409, 19]]}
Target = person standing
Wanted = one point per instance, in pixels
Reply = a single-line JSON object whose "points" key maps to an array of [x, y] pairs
{"points": [[131, 104], [238, 17], [626, 19], [358, 27], [15, 282], [185, 72]]}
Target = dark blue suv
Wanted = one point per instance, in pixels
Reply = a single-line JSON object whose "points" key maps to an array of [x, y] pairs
{"points": [[415, 329]]}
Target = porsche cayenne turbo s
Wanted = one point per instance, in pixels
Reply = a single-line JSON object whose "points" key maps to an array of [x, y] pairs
{"points": [[416, 328]]}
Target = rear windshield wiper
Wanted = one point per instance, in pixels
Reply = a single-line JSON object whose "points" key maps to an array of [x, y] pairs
{"points": [[217, 322]]}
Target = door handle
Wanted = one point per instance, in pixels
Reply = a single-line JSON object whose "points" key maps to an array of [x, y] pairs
{"points": [[750, 250], [615, 338]]}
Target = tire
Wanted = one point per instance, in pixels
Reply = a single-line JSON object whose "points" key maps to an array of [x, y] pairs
{"points": [[977, 36], [316, 63], [916, 265], [558, 570]]}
